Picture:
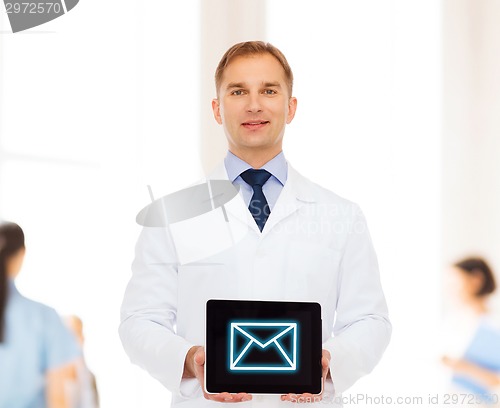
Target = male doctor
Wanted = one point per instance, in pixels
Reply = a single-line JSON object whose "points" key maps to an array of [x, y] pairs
{"points": [[301, 243]]}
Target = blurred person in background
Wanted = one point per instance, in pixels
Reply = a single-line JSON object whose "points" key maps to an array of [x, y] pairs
{"points": [[83, 387], [477, 371], [37, 351]]}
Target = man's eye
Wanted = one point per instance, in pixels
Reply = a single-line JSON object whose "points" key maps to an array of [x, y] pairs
{"points": [[269, 91], [237, 92]]}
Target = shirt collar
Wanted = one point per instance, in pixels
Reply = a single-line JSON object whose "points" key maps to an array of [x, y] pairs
{"points": [[12, 287], [277, 166]]}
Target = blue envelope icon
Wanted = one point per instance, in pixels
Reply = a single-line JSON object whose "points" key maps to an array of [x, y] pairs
{"points": [[263, 346]]}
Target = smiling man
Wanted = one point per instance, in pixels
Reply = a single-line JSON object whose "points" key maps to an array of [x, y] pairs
{"points": [[253, 105], [302, 243]]}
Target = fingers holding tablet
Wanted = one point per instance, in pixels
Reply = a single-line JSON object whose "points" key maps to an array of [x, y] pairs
{"points": [[198, 364], [308, 397]]}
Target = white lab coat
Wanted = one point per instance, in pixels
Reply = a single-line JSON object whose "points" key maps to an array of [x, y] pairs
{"points": [[315, 247]]}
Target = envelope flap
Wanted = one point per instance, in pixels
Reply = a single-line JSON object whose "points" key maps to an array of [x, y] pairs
{"points": [[264, 333]]}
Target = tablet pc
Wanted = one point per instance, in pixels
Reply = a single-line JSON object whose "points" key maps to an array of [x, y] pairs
{"points": [[262, 347]]}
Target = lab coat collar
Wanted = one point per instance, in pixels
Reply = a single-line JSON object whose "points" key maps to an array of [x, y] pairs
{"points": [[295, 194]]}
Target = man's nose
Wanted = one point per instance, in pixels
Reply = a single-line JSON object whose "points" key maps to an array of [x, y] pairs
{"points": [[254, 103]]}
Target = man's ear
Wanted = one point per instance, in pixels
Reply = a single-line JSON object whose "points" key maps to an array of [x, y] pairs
{"points": [[216, 110], [292, 107]]}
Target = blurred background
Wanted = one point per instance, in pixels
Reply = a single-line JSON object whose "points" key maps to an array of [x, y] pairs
{"points": [[399, 106]]}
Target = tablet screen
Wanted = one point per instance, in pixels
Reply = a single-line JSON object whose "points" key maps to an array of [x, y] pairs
{"points": [[263, 347]]}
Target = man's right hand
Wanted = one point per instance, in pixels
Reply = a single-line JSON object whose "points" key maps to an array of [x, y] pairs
{"points": [[194, 367]]}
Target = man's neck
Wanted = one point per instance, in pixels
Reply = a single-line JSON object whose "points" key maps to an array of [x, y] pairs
{"points": [[256, 159]]}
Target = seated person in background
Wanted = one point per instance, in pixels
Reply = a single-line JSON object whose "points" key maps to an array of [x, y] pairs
{"points": [[478, 370], [37, 351]]}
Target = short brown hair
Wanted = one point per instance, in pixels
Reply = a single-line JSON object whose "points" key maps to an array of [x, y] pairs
{"points": [[250, 48], [478, 266]]}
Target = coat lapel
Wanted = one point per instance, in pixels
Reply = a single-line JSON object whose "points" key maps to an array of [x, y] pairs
{"points": [[295, 194]]}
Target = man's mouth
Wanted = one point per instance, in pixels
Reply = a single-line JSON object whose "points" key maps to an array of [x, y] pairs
{"points": [[255, 124]]}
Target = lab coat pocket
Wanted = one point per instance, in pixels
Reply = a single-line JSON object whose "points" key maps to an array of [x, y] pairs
{"points": [[312, 272], [197, 283]]}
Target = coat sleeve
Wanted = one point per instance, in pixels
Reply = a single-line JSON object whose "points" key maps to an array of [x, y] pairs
{"points": [[362, 329], [149, 310]]}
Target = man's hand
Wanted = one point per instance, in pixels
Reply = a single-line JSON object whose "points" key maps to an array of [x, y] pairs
{"points": [[194, 368], [307, 397]]}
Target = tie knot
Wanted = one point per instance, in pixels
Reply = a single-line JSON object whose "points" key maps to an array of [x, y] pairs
{"points": [[255, 177]]}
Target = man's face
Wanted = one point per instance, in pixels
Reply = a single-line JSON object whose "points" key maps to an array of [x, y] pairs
{"points": [[253, 105]]}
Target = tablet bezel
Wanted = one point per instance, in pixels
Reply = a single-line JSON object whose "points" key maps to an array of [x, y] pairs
{"points": [[271, 310]]}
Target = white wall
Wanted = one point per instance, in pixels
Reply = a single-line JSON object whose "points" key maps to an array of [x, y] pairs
{"points": [[471, 131]]}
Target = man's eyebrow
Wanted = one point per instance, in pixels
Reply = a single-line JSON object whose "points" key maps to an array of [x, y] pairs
{"points": [[231, 85], [272, 84], [235, 85]]}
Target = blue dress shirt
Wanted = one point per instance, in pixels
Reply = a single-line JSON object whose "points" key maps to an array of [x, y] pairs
{"points": [[278, 168], [36, 341]]}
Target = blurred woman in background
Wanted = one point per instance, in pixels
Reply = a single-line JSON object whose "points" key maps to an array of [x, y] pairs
{"points": [[37, 351], [478, 370]]}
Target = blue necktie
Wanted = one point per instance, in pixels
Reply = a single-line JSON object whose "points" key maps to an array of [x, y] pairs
{"points": [[258, 207]]}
